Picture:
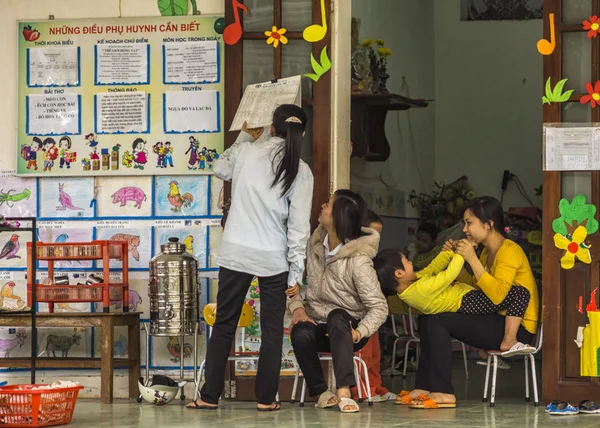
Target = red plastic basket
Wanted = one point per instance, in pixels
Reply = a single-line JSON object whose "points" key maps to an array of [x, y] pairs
{"points": [[21, 406]]}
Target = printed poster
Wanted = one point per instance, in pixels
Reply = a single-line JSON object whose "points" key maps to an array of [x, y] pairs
{"points": [[130, 96]]}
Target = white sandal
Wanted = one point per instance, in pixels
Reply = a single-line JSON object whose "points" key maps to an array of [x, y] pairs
{"points": [[323, 402], [345, 401], [518, 349]]}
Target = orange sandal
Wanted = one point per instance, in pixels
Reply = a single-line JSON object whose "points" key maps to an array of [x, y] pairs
{"points": [[428, 403], [403, 398]]}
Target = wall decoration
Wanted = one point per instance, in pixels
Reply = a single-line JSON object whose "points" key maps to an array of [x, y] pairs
{"points": [[575, 247], [62, 236], [544, 46], [592, 26], [593, 95], [181, 196], [138, 240], [194, 240], [233, 32], [13, 294], [64, 342], [167, 351], [573, 214], [18, 197], [315, 33], [556, 95], [125, 197], [13, 251], [319, 69], [14, 344], [276, 36], [67, 197], [495, 10], [99, 97]]}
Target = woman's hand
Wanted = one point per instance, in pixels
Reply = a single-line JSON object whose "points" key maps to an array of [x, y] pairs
{"points": [[254, 132], [298, 316], [465, 248], [293, 292], [355, 334], [448, 245]]}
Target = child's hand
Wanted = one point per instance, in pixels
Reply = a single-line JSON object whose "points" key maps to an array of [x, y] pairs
{"points": [[448, 245], [293, 292]]}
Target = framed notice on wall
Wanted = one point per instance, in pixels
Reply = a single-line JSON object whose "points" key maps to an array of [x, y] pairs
{"points": [[128, 96]]}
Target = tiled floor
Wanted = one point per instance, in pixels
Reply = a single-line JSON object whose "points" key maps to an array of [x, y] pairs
{"points": [[511, 411]]}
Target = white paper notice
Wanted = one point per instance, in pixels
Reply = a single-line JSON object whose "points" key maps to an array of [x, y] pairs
{"points": [[53, 66], [125, 64], [53, 114], [196, 111], [260, 101], [121, 112], [572, 149], [191, 62]]}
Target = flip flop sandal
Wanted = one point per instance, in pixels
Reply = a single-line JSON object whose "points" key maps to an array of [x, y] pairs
{"points": [[563, 409], [196, 406], [323, 402], [269, 409], [589, 407], [518, 349], [345, 401], [428, 403], [388, 396], [403, 398]]}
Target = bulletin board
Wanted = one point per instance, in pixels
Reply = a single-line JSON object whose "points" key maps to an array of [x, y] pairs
{"points": [[127, 96]]}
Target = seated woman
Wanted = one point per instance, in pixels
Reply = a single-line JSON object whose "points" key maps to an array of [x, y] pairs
{"points": [[344, 304], [502, 265]]}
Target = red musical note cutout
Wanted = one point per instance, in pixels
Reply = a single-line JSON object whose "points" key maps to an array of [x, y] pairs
{"points": [[233, 32]]}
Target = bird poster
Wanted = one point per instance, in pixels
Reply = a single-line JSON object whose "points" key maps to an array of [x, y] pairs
{"points": [[13, 251], [139, 245], [67, 197], [62, 236], [13, 294], [181, 196], [194, 240], [125, 197], [18, 197]]}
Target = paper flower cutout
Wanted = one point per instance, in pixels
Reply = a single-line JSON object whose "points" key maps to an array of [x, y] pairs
{"points": [[556, 95], [275, 36], [575, 246], [573, 214], [592, 26], [593, 96]]}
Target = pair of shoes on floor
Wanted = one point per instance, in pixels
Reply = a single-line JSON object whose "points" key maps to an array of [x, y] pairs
{"points": [[562, 408], [503, 365]]}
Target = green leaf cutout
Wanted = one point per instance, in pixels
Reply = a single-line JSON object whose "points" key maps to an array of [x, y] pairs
{"points": [[319, 69], [556, 95], [573, 214], [173, 7]]}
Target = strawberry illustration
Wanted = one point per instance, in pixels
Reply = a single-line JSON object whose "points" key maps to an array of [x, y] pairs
{"points": [[30, 34], [35, 34]]}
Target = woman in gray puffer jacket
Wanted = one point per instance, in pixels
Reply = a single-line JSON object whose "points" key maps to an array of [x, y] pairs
{"points": [[344, 304]]}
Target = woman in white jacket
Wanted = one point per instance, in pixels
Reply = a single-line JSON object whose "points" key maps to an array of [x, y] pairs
{"points": [[267, 229]]}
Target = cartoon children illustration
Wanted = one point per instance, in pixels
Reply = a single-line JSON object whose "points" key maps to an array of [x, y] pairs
{"points": [[159, 149], [51, 153], [140, 154], [202, 158], [91, 140], [64, 145], [36, 145], [193, 151], [168, 154], [211, 156]]}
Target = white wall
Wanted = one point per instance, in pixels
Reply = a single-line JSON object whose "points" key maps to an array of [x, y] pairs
{"points": [[488, 88]]}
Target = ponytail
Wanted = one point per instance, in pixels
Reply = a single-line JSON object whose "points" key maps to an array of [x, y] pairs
{"points": [[289, 122]]}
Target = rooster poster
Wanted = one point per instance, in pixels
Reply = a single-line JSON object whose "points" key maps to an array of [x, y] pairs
{"points": [[181, 196]]}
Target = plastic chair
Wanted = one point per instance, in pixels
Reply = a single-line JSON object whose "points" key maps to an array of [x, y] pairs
{"points": [[327, 357], [246, 318], [493, 357]]}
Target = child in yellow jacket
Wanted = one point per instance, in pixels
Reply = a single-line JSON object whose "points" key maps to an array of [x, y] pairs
{"points": [[435, 290]]}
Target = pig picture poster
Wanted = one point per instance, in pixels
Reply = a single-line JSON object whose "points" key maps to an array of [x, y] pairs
{"points": [[125, 197]]}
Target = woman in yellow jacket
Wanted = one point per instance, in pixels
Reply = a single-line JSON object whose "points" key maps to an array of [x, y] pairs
{"points": [[502, 265]]}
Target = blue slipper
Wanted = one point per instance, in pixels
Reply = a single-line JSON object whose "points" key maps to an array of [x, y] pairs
{"points": [[563, 409], [552, 405], [588, 406]]}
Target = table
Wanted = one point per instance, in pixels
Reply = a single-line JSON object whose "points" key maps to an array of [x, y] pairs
{"points": [[106, 363]]}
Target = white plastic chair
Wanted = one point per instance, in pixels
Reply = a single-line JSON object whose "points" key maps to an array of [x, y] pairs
{"points": [[529, 358]]}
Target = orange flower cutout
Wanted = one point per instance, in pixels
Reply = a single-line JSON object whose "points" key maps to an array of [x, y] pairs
{"points": [[593, 25], [593, 96], [275, 36]]}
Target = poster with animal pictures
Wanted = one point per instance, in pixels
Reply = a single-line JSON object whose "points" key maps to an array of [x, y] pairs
{"points": [[13, 251], [18, 196], [215, 235], [181, 196], [141, 96], [139, 245], [13, 294], [138, 298], [167, 351], [194, 240], [64, 342], [216, 196], [15, 342], [120, 344], [67, 197], [125, 197], [65, 236]]}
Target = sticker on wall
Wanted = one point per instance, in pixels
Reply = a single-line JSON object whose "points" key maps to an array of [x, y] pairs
{"points": [[276, 36], [575, 247], [18, 197], [139, 245], [67, 197], [593, 94], [193, 239], [573, 214], [592, 26], [182, 196], [319, 69], [316, 32], [556, 95], [233, 32], [62, 236], [544, 46], [125, 196]]}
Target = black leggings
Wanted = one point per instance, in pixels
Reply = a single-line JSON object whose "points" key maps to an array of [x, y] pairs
{"points": [[515, 303]]}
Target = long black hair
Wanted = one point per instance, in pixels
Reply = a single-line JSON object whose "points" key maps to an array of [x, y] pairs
{"points": [[488, 210], [289, 122], [349, 213]]}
